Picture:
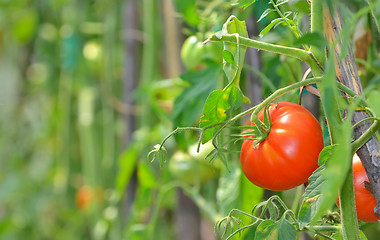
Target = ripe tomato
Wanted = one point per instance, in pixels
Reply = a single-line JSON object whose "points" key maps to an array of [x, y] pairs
{"points": [[83, 197], [289, 154], [365, 201]]}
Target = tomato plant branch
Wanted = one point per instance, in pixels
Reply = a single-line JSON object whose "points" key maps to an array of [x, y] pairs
{"points": [[317, 27], [281, 92], [332, 228], [247, 42], [293, 27], [358, 143]]}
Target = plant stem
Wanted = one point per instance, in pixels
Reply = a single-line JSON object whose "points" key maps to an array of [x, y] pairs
{"points": [[317, 27], [350, 227], [294, 28], [247, 42], [281, 92], [348, 208], [333, 228], [365, 136]]}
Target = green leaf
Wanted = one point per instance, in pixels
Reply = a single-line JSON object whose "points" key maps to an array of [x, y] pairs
{"points": [[339, 162], [188, 105], [339, 236], [336, 170], [314, 39], [228, 190], [219, 105], [127, 163], [214, 112], [280, 2], [188, 10], [325, 154], [228, 57], [373, 101], [315, 182], [243, 3], [286, 231], [250, 195], [270, 26], [267, 230], [308, 209], [265, 13], [234, 26], [235, 98], [222, 103], [145, 175]]}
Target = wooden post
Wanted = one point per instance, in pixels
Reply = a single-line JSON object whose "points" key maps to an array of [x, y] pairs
{"points": [[347, 74]]}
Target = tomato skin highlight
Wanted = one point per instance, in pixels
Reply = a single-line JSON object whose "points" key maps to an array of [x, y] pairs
{"points": [[364, 199], [289, 155]]}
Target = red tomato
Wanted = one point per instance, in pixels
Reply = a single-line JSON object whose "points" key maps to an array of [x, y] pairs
{"points": [[289, 155], [365, 201], [84, 196]]}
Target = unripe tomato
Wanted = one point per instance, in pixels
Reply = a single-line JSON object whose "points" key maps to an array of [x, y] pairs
{"points": [[194, 52], [204, 150], [192, 167], [289, 154], [365, 201]]}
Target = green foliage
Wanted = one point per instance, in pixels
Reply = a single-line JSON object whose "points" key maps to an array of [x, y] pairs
{"points": [[67, 112], [222, 103], [244, 3], [188, 105]]}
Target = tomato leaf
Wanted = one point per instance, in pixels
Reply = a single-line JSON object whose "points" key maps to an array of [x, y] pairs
{"points": [[311, 197], [234, 26], [243, 3], [214, 112], [127, 162], [270, 26], [308, 209], [314, 39], [325, 154], [339, 162], [286, 231], [145, 175], [265, 13], [222, 103], [280, 2], [236, 191], [267, 229], [229, 187], [228, 57], [188, 105], [235, 98], [315, 182]]}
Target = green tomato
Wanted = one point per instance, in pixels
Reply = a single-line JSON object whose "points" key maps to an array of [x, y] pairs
{"points": [[194, 53], [190, 170], [204, 150]]}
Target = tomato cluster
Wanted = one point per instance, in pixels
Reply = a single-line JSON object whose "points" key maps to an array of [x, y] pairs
{"points": [[289, 154]]}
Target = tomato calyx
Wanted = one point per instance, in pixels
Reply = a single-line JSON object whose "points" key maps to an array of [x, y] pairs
{"points": [[259, 130]]}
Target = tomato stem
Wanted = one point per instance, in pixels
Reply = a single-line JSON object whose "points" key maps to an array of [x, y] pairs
{"points": [[301, 54]]}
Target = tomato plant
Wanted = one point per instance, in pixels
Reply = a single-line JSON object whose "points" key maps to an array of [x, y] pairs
{"points": [[289, 154], [365, 201]]}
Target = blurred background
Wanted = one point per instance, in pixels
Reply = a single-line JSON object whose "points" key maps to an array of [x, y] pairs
{"points": [[87, 88]]}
